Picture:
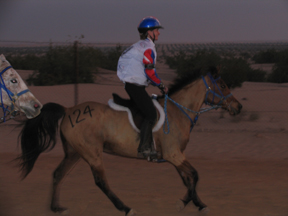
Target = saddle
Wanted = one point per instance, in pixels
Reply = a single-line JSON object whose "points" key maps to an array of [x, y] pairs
{"points": [[134, 115]]}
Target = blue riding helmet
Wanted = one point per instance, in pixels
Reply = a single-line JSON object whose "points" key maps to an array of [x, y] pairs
{"points": [[148, 23]]}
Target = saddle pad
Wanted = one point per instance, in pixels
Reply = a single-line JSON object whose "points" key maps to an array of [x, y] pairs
{"points": [[157, 126]]}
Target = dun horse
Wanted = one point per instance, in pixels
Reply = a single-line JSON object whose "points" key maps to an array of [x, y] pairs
{"points": [[14, 94], [89, 129]]}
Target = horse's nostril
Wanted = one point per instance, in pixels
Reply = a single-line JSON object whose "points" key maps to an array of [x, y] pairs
{"points": [[240, 106]]}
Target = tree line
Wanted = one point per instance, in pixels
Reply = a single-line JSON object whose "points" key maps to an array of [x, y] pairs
{"points": [[57, 65], [234, 69]]}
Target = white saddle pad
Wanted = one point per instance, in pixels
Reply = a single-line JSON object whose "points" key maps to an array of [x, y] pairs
{"points": [[157, 126]]}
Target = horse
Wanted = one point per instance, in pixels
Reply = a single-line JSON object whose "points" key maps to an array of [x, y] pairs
{"points": [[91, 128], [14, 95]]}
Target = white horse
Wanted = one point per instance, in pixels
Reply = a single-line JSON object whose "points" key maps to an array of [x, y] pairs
{"points": [[14, 94]]}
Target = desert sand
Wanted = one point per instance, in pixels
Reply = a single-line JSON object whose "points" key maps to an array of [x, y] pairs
{"points": [[241, 161]]}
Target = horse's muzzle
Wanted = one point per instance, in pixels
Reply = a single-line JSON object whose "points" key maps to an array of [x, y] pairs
{"points": [[235, 110], [33, 110]]}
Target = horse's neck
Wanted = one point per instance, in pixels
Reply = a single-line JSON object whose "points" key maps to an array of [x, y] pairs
{"points": [[191, 96]]}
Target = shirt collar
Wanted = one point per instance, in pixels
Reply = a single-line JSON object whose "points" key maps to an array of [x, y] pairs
{"points": [[150, 40]]}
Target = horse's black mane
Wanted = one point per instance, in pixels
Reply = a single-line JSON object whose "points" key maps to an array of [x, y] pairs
{"points": [[188, 78]]}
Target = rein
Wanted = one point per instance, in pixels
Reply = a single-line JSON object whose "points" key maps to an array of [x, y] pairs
{"points": [[202, 110], [13, 98]]}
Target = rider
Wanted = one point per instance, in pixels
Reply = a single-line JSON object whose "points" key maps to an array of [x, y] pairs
{"points": [[136, 68]]}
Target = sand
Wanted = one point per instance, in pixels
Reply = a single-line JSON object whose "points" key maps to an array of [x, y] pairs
{"points": [[242, 161]]}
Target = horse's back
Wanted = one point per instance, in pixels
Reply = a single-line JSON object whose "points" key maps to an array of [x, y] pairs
{"points": [[95, 125]]}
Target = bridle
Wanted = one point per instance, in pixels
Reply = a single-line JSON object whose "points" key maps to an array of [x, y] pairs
{"points": [[202, 110], [9, 110], [208, 90]]}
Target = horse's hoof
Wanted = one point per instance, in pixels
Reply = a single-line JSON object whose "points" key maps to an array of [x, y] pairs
{"points": [[180, 205], [60, 210], [131, 213], [204, 210]]}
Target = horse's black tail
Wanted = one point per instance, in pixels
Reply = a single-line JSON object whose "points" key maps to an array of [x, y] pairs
{"points": [[39, 135]]}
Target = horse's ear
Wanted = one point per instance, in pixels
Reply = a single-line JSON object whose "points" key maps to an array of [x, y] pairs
{"points": [[2, 57], [214, 71], [219, 67]]}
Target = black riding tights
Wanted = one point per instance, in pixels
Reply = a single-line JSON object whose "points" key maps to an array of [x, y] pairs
{"points": [[142, 100]]}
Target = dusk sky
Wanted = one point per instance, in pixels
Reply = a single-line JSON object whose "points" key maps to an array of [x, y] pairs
{"points": [[115, 21]]}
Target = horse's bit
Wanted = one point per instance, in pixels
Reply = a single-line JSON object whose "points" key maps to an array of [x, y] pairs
{"points": [[13, 97]]}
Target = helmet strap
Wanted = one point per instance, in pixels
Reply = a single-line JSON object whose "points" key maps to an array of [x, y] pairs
{"points": [[153, 39]]}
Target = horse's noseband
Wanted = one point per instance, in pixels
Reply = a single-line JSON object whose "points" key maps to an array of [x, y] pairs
{"points": [[209, 90]]}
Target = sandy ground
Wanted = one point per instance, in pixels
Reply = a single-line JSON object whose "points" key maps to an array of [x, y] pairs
{"points": [[242, 162]]}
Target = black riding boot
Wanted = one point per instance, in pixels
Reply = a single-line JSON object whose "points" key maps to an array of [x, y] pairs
{"points": [[146, 146]]}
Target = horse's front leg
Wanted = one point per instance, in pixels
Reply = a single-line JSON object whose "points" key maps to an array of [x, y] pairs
{"points": [[189, 176]]}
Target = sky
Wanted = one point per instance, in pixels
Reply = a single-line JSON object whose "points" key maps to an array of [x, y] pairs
{"points": [[116, 21]]}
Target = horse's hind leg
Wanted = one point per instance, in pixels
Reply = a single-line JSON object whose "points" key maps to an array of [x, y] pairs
{"points": [[70, 159], [189, 176], [101, 182]]}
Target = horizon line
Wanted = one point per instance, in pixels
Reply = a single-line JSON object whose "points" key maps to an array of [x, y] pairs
{"points": [[215, 42]]}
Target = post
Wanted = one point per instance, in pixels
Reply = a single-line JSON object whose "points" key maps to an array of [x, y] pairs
{"points": [[76, 64]]}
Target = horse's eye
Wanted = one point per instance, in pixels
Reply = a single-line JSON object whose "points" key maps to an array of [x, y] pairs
{"points": [[223, 86], [14, 81]]}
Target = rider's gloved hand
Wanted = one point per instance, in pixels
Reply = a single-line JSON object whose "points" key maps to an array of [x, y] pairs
{"points": [[164, 89]]}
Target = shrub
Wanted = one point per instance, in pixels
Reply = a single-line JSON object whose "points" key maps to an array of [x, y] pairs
{"points": [[184, 63], [234, 71], [280, 69], [111, 57], [57, 65], [268, 56]]}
